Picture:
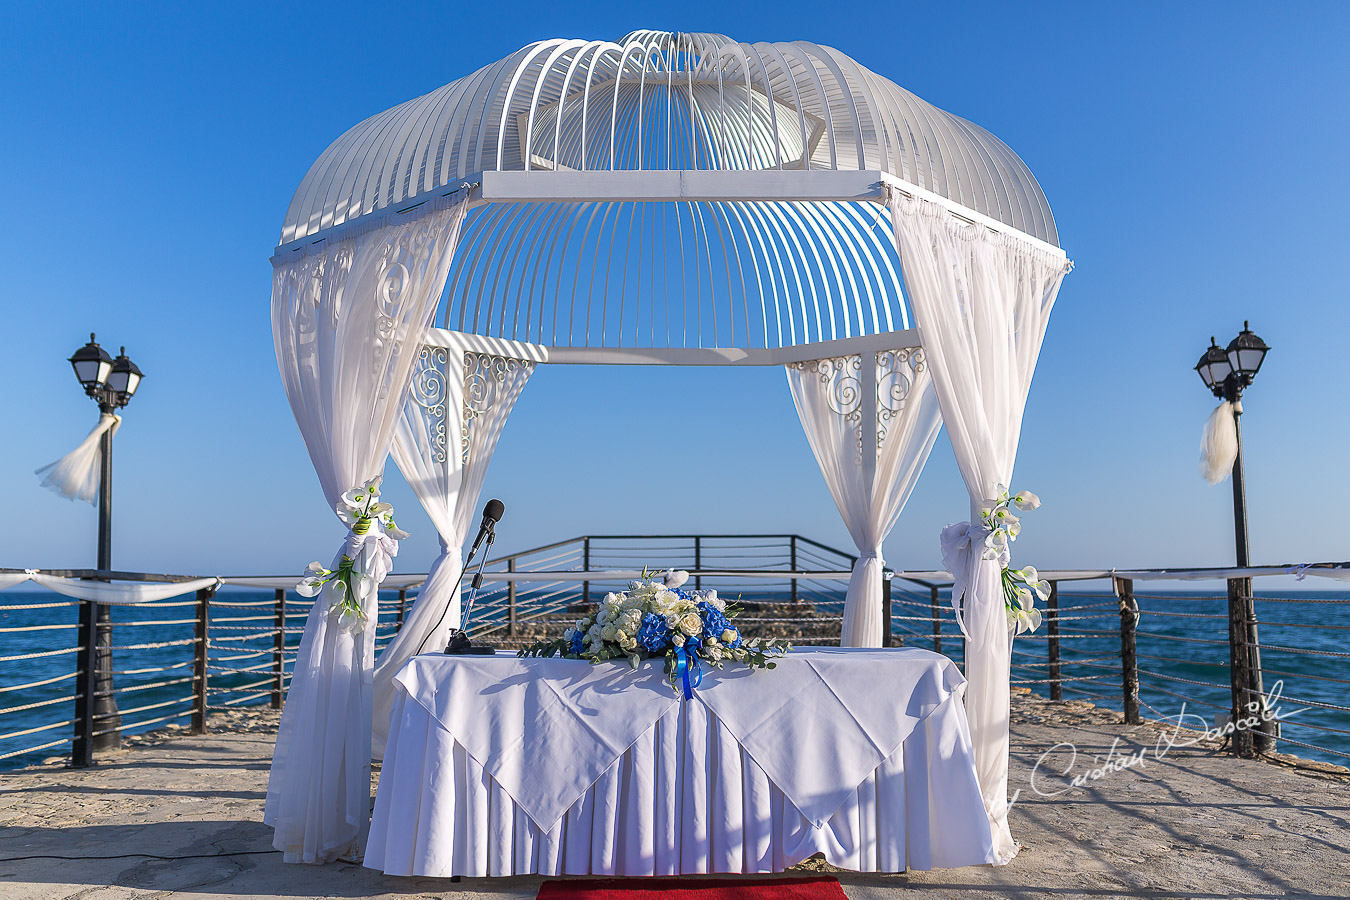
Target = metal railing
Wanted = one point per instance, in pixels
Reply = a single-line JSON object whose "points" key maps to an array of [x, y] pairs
{"points": [[173, 662], [1147, 655], [1200, 658], [534, 594]]}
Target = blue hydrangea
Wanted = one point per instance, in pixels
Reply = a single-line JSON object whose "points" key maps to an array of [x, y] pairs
{"points": [[578, 643], [655, 633], [714, 622]]}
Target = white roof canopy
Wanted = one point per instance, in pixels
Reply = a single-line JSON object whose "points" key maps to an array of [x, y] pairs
{"points": [[669, 191]]}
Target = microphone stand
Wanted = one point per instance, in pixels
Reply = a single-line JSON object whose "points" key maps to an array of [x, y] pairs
{"points": [[460, 645], [473, 550]]}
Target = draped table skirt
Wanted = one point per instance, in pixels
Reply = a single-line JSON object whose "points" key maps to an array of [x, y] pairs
{"points": [[685, 798]]}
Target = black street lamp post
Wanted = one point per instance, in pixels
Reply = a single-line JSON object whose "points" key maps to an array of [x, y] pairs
{"points": [[111, 383], [1227, 371]]}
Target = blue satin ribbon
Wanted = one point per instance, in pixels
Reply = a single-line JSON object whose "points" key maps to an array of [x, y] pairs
{"points": [[685, 663]]}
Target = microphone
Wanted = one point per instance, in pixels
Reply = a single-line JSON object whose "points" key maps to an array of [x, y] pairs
{"points": [[459, 640], [492, 514]]}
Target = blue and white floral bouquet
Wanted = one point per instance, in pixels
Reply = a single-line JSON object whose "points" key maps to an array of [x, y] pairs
{"points": [[658, 619]]}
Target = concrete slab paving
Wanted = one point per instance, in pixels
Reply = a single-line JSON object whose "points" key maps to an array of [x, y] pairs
{"points": [[1172, 822]]}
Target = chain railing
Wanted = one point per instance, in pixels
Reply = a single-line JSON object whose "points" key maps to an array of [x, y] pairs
{"points": [[1191, 657], [1154, 655]]}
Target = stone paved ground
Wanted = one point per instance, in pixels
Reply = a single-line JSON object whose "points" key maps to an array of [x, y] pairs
{"points": [[1192, 824]]}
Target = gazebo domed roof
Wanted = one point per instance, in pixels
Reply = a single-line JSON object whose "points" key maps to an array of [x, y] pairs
{"points": [[665, 101]]}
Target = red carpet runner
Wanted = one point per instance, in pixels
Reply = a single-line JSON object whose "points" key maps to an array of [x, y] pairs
{"points": [[814, 888]]}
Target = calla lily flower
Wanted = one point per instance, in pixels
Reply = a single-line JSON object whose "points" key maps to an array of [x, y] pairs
{"points": [[1026, 500]]}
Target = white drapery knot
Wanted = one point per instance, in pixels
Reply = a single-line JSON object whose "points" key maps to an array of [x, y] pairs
{"points": [[75, 476], [963, 548]]}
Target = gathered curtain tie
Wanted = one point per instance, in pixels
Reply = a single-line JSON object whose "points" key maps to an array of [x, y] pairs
{"points": [[963, 546]]}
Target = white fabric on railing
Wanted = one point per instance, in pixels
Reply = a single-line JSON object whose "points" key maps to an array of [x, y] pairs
{"points": [[871, 433], [981, 301], [457, 404], [118, 593], [347, 320], [288, 582], [756, 773], [75, 476]]}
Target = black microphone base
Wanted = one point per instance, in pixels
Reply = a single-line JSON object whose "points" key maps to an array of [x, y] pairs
{"points": [[460, 645]]}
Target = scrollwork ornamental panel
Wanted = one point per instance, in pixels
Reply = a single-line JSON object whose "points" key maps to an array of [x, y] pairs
{"points": [[841, 379], [486, 380]]}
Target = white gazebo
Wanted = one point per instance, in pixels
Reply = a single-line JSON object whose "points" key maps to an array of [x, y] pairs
{"points": [[666, 199]]}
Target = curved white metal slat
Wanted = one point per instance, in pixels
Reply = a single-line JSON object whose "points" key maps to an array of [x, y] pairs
{"points": [[741, 106], [696, 274]]}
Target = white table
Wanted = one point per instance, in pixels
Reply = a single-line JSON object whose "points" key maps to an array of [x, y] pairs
{"points": [[503, 766]]}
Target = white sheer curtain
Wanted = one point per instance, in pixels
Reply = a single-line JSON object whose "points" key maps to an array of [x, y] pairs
{"points": [[871, 427], [981, 301], [347, 322], [457, 405]]}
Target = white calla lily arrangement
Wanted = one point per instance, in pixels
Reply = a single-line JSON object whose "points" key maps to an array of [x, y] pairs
{"points": [[364, 560], [1021, 587]]}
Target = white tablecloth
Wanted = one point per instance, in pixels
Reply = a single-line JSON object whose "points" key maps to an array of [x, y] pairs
{"points": [[502, 766]]}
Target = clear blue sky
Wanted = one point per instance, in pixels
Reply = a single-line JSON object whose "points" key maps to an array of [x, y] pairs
{"points": [[1194, 156]]}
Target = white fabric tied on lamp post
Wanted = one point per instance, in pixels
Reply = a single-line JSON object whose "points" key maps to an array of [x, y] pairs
{"points": [[348, 316], [457, 404], [871, 428], [981, 301]]}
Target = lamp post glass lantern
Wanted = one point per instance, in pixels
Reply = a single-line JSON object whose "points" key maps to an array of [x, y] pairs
{"points": [[111, 383]]}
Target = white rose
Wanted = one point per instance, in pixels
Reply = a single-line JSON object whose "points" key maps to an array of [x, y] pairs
{"points": [[691, 624], [672, 620], [608, 632], [728, 636], [628, 644], [567, 635], [677, 639]]}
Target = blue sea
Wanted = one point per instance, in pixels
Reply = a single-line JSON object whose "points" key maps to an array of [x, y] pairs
{"points": [[1182, 647]]}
